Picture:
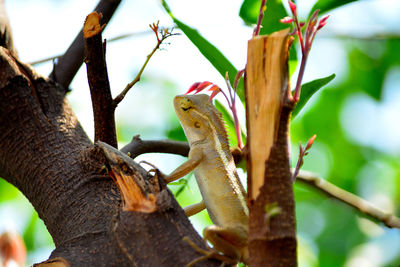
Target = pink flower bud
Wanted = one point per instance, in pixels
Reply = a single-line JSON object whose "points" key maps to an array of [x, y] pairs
{"points": [[215, 90], [286, 20], [322, 22], [237, 78], [202, 86], [192, 88], [292, 7], [197, 87], [310, 142]]}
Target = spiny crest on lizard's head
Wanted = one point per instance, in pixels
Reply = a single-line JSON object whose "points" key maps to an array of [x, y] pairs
{"points": [[190, 108]]}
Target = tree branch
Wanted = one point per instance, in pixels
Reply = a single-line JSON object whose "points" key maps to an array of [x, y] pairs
{"points": [[138, 146], [102, 102], [68, 65], [365, 207], [53, 163]]}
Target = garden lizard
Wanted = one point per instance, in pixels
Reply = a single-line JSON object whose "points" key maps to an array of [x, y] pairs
{"points": [[215, 171]]}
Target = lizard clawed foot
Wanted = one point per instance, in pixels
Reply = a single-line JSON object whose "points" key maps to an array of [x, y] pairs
{"points": [[154, 170], [157, 172], [210, 253]]}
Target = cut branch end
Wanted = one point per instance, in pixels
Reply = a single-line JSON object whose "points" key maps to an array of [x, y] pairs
{"points": [[134, 190], [92, 25]]}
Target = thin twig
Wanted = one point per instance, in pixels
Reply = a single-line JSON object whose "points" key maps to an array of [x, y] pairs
{"points": [[164, 35], [365, 207], [303, 151], [260, 18]]}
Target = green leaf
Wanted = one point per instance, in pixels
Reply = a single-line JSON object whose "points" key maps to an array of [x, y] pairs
{"points": [[271, 21], [272, 16], [249, 11], [326, 5], [308, 90], [209, 51]]}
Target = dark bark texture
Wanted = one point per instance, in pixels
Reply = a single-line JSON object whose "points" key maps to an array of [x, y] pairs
{"points": [[46, 154], [100, 91], [275, 235]]}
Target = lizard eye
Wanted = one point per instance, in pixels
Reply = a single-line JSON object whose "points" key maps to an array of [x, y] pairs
{"points": [[186, 109], [197, 124]]}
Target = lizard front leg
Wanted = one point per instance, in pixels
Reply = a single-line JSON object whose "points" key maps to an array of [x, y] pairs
{"points": [[194, 159]]}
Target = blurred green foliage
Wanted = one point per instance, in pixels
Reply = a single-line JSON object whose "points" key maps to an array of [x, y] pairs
{"points": [[341, 235], [271, 21], [330, 233], [327, 5]]}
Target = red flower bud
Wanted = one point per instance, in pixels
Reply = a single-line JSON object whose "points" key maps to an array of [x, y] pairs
{"points": [[237, 78], [202, 86], [292, 7], [215, 90], [310, 142], [197, 87], [286, 20], [192, 88], [322, 22]]}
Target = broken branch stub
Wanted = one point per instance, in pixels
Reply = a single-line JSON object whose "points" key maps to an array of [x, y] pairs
{"points": [[266, 85], [137, 194]]}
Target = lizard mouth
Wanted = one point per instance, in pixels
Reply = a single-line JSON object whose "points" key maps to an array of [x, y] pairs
{"points": [[186, 109]]}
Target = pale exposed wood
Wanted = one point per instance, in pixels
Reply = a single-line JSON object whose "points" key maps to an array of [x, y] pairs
{"points": [[133, 187], [92, 25], [265, 82], [56, 262]]}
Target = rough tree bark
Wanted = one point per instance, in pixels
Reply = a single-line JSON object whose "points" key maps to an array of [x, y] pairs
{"points": [[45, 153]]}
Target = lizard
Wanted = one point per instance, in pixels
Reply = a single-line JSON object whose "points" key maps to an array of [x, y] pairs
{"points": [[214, 169]]}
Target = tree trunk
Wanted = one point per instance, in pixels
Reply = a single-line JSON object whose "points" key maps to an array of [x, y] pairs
{"points": [[46, 154]]}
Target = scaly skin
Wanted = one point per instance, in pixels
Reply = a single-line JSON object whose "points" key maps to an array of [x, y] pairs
{"points": [[215, 172]]}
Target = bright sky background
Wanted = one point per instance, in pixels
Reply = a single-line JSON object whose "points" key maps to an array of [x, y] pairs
{"points": [[44, 28]]}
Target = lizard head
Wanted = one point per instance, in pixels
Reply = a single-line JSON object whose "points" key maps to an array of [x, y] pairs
{"points": [[199, 118]]}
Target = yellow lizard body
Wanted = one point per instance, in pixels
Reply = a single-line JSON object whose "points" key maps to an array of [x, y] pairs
{"points": [[216, 176]]}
